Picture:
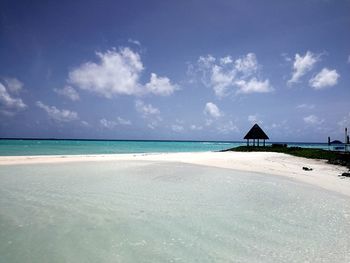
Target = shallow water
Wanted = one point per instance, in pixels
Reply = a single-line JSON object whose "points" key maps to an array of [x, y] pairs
{"points": [[69, 147], [166, 212]]}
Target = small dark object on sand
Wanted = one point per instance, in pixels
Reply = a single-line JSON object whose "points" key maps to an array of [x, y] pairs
{"points": [[346, 174], [307, 169]]}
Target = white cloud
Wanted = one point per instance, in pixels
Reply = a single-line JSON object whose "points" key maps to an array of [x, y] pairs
{"points": [[7, 113], [254, 86], [85, 123], [57, 114], [160, 85], [8, 102], [313, 120], [227, 128], [226, 60], [325, 78], [122, 121], [148, 112], [254, 119], [302, 65], [206, 61], [118, 73], [212, 110], [247, 65], [13, 85], [286, 57], [305, 106], [68, 92], [208, 122], [194, 127], [146, 109], [221, 80], [110, 124], [224, 75], [107, 124], [135, 42], [177, 128]]}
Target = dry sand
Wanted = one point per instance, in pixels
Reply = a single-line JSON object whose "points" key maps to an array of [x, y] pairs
{"points": [[323, 175]]}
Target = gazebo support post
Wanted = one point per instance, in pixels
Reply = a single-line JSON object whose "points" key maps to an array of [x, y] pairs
{"points": [[247, 142], [258, 142], [264, 142]]}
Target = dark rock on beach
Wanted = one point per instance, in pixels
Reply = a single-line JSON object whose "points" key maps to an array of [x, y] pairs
{"points": [[307, 169], [346, 174]]}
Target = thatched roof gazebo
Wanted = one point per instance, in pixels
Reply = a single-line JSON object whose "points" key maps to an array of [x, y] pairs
{"points": [[256, 133]]}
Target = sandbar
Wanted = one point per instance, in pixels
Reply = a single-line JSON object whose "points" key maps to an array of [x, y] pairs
{"points": [[323, 175]]}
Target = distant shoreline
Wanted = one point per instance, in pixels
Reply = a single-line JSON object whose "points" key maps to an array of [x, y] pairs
{"points": [[139, 140]]}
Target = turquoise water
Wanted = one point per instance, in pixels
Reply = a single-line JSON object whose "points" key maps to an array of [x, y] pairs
{"points": [[166, 212], [67, 147]]}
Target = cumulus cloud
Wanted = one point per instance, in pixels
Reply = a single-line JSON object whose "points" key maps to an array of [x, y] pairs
{"points": [[305, 106], [253, 119], [57, 114], [254, 86], [108, 124], [212, 110], [13, 85], [225, 75], [313, 120], [9, 102], [221, 80], [118, 73], [146, 109], [325, 78], [302, 65], [247, 64], [226, 60], [135, 42], [148, 112], [227, 128], [122, 121], [177, 128], [68, 92], [85, 123], [111, 124], [160, 85], [194, 127]]}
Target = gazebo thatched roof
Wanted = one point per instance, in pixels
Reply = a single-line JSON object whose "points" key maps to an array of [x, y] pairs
{"points": [[256, 133]]}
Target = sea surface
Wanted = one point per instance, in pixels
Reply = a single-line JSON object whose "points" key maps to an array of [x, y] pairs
{"points": [[166, 212], [74, 147]]}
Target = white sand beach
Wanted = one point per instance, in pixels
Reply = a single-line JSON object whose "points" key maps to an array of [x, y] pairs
{"points": [[323, 175], [173, 207]]}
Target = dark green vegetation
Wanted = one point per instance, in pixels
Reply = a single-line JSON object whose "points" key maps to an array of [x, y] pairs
{"points": [[339, 158]]}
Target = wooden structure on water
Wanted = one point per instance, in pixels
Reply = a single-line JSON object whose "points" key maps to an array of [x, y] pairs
{"points": [[256, 133]]}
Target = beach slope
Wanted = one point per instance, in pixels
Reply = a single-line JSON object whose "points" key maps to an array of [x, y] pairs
{"points": [[322, 175]]}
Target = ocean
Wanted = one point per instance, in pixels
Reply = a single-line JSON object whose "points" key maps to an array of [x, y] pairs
{"points": [[83, 147]]}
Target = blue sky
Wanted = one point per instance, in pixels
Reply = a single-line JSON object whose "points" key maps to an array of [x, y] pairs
{"points": [[187, 70]]}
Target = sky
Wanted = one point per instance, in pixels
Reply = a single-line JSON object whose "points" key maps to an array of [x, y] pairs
{"points": [[174, 70]]}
